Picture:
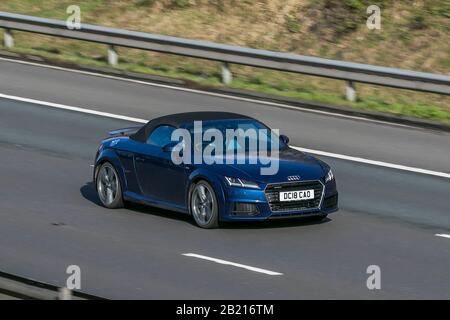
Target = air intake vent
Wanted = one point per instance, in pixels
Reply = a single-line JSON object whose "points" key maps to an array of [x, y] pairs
{"points": [[245, 209]]}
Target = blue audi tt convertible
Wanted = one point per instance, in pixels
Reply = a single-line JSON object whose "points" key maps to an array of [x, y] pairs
{"points": [[215, 166]]}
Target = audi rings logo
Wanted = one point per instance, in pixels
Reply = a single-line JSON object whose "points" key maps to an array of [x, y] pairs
{"points": [[293, 178]]}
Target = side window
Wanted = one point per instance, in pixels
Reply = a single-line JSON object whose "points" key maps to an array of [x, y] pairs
{"points": [[161, 136]]}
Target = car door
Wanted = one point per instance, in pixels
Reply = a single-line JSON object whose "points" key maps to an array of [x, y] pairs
{"points": [[160, 179]]}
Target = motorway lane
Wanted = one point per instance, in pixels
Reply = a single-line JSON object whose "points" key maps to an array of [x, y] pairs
{"points": [[410, 147], [51, 218]]}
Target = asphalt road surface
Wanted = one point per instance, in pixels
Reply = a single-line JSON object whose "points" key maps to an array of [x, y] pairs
{"points": [[51, 218]]}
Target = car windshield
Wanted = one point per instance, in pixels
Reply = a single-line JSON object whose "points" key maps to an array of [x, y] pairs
{"points": [[237, 135]]}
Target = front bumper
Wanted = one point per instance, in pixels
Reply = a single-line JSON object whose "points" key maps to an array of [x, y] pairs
{"points": [[264, 210]]}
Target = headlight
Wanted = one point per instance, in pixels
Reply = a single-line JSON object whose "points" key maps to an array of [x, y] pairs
{"points": [[236, 182], [329, 176]]}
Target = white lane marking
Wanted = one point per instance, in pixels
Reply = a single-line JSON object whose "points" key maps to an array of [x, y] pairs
{"points": [[317, 152], [153, 84], [238, 265], [443, 235], [374, 162], [70, 108]]}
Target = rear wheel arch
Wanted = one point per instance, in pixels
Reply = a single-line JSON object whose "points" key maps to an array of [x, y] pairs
{"points": [[115, 162], [97, 167]]}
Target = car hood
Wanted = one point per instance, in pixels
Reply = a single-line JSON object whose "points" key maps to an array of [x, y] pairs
{"points": [[291, 163]]}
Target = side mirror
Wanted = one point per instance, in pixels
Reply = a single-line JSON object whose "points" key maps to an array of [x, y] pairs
{"points": [[284, 139], [171, 147]]}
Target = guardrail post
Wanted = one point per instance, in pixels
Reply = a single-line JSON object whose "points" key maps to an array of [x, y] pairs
{"points": [[227, 76], [64, 294], [8, 39], [113, 57], [350, 91]]}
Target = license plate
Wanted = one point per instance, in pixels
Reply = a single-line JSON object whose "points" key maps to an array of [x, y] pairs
{"points": [[296, 195]]}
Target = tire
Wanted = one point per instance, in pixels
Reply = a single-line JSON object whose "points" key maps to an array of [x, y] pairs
{"points": [[109, 189], [203, 205]]}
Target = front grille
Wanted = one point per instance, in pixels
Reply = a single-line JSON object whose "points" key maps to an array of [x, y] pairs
{"points": [[273, 192]]}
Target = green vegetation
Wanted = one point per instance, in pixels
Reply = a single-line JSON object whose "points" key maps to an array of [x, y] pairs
{"points": [[413, 36]]}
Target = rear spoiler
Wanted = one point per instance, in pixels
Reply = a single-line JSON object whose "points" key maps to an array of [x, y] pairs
{"points": [[124, 131]]}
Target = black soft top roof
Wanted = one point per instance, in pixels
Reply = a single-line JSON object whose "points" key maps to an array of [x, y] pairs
{"points": [[178, 119]]}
